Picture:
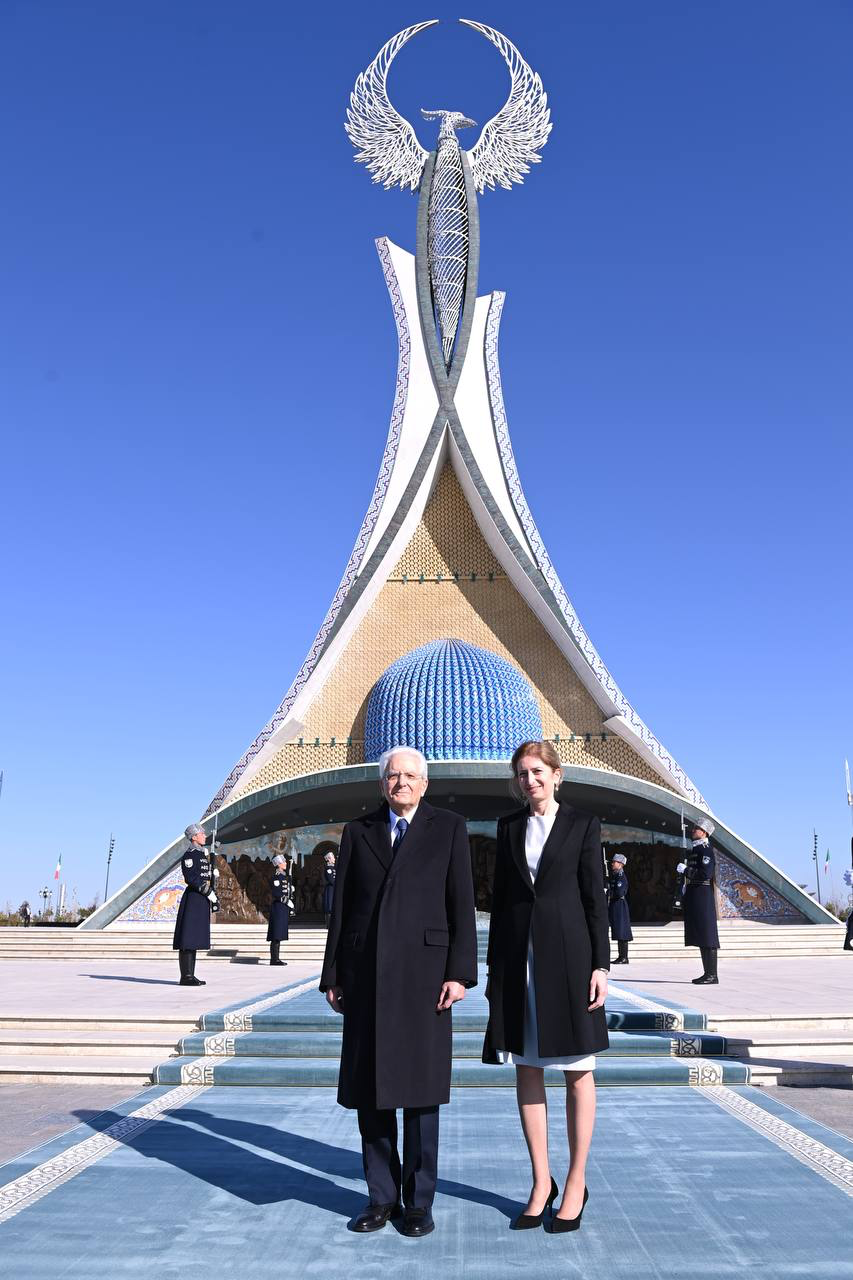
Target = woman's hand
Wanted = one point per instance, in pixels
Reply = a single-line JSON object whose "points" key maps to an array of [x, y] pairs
{"points": [[597, 989]]}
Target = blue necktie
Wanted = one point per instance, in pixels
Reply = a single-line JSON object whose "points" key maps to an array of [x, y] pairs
{"points": [[400, 830]]}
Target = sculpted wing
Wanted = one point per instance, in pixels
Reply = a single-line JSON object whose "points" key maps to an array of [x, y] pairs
{"points": [[509, 143], [383, 140]]}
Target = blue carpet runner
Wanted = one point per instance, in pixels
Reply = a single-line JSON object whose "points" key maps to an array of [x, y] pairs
{"points": [[288, 1042]]}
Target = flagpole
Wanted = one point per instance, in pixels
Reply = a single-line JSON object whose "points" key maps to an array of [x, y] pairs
{"points": [[816, 867]]}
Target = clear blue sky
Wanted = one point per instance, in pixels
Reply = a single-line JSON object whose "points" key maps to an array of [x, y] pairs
{"points": [[197, 364]]}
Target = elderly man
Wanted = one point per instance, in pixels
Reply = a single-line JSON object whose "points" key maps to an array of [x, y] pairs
{"points": [[192, 927], [401, 950], [700, 911]]}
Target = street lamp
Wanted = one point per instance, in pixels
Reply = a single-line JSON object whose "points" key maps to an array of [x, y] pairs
{"points": [[44, 894]]}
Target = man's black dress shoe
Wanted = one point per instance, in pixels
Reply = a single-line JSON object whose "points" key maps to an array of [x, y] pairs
{"points": [[374, 1217], [418, 1222], [706, 981]]}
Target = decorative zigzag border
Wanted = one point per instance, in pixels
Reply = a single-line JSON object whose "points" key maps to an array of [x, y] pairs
{"points": [[543, 560], [367, 527]]}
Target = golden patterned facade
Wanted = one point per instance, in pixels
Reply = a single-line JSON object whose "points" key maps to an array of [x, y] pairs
{"points": [[448, 583]]}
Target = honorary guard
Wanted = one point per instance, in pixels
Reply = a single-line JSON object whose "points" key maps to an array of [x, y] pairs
{"points": [[329, 873], [700, 912], [618, 911], [192, 927], [401, 949], [280, 909]]}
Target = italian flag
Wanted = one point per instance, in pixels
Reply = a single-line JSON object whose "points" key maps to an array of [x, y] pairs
{"points": [[58, 867], [826, 863]]}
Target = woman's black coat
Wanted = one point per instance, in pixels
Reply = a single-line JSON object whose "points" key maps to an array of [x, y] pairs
{"points": [[565, 914], [617, 907], [279, 925], [402, 924], [192, 927]]}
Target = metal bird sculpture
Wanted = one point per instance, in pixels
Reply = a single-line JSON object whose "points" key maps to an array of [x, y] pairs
{"points": [[508, 144]]}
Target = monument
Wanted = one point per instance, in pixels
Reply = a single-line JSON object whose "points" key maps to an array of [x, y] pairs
{"points": [[451, 630]]}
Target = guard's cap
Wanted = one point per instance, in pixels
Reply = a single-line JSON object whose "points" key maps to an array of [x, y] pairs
{"points": [[194, 829], [619, 857], [704, 824]]}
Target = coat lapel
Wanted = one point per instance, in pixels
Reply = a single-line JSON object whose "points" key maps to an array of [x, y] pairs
{"points": [[378, 836], [557, 837], [417, 832], [517, 832]]}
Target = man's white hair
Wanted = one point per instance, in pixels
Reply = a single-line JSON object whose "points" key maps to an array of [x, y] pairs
{"points": [[385, 758]]}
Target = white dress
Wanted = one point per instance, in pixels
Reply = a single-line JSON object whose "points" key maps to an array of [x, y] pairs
{"points": [[537, 832]]}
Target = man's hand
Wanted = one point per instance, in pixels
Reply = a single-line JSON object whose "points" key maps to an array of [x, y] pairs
{"points": [[450, 993], [335, 998], [597, 989]]}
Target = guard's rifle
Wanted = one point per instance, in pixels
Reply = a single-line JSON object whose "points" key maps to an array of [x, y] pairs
{"points": [[214, 906], [678, 904]]}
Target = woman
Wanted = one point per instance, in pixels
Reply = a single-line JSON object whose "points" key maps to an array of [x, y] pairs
{"points": [[618, 911], [279, 925], [548, 960], [329, 874]]}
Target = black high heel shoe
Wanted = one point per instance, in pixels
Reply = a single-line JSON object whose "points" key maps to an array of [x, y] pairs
{"points": [[559, 1225], [526, 1221]]}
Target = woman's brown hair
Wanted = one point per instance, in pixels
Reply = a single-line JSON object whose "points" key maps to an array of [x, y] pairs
{"points": [[546, 751]]}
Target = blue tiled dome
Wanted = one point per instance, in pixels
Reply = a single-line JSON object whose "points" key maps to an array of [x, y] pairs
{"points": [[452, 701]]}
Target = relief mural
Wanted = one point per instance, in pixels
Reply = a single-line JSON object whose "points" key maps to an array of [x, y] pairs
{"points": [[246, 873]]}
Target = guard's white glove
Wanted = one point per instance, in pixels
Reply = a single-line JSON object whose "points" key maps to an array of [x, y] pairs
{"points": [[216, 871], [290, 904], [212, 899], [682, 867]]}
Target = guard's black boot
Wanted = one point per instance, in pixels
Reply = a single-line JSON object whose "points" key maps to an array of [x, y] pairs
{"points": [[622, 958], [188, 978], [275, 947], [709, 964]]}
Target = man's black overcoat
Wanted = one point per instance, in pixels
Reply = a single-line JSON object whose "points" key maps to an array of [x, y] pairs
{"points": [[617, 907], [192, 926], [278, 928], [565, 915], [401, 926], [700, 907]]}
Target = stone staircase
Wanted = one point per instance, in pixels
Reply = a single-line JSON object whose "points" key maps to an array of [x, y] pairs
{"points": [[236, 943], [787, 1050], [246, 944], [285, 1043]]}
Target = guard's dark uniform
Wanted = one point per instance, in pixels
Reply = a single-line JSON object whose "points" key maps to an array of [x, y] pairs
{"points": [[700, 911], [279, 925], [329, 874], [192, 927], [619, 914]]}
